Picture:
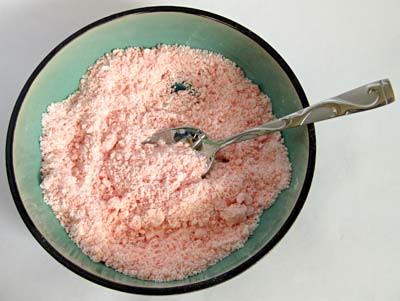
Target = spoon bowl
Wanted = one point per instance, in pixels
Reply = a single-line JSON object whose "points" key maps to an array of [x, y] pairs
{"points": [[193, 137]]}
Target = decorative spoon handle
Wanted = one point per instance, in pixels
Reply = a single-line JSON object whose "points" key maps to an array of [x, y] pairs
{"points": [[361, 99]]}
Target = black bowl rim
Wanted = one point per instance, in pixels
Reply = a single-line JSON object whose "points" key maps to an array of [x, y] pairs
{"points": [[178, 289]]}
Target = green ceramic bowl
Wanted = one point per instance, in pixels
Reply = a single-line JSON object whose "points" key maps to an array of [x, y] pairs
{"points": [[58, 75]]}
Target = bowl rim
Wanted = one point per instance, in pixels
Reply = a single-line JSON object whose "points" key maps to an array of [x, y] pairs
{"points": [[183, 288]]}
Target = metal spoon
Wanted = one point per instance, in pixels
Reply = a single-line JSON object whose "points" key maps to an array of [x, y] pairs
{"points": [[361, 99]]}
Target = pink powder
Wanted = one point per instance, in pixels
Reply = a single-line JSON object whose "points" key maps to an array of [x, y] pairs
{"points": [[143, 209]]}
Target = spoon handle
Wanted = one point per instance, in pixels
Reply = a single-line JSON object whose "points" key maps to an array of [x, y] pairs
{"points": [[361, 99]]}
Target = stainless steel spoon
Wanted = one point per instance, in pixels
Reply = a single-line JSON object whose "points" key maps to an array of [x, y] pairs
{"points": [[361, 99]]}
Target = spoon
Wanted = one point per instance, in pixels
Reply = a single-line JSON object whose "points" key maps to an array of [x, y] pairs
{"points": [[361, 99]]}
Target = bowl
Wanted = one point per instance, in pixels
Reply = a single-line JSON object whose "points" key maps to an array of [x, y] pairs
{"points": [[58, 75]]}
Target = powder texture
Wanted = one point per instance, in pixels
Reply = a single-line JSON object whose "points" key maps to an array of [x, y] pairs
{"points": [[144, 209]]}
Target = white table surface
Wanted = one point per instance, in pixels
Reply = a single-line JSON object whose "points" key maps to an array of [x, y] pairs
{"points": [[345, 243]]}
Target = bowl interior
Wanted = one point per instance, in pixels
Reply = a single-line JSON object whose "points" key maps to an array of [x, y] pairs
{"points": [[60, 77]]}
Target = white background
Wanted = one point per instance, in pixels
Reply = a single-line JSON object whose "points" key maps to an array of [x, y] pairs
{"points": [[345, 245]]}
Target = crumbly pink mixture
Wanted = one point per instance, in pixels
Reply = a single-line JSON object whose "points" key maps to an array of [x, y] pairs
{"points": [[143, 209]]}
